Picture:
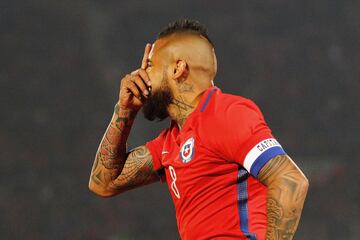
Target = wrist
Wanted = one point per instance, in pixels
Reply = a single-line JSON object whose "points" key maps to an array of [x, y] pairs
{"points": [[124, 112]]}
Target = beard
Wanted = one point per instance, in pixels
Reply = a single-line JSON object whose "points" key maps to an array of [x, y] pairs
{"points": [[157, 103]]}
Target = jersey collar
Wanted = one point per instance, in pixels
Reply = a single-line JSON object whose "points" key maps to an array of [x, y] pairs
{"points": [[204, 101]]}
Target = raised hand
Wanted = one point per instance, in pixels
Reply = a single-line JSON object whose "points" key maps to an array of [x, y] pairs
{"points": [[135, 87]]}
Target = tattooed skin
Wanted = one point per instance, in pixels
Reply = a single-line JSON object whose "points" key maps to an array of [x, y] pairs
{"points": [[114, 170], [184, 87], [287, 188], [183, 109], [137, 171]]}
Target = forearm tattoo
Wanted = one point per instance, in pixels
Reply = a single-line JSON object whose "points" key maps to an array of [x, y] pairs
{"points": [[114, 170], [137, 171], [286, 195], [111, 155]]}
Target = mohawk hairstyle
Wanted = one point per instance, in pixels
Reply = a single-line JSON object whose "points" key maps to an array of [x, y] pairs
{"points": [[185, 25]]}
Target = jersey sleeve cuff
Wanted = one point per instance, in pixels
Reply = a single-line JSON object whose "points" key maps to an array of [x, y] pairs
{"points": [[260, 154]]}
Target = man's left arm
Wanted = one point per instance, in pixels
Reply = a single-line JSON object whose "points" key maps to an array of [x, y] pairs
{"points": [[287, 188]]}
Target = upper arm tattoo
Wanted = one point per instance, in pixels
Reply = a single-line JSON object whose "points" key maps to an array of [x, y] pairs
{"points": [[287, 187], [137, 171], [281, 165]]}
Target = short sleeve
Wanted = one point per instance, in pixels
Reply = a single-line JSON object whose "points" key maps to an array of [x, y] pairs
{"points": [[244, 137], [155, 147]]}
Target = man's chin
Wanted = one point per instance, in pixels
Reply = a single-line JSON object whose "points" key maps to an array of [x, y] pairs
{"points": [[155, 111], [155, 108], [152, 116]]}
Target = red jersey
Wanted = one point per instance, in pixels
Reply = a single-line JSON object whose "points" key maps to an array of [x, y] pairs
{"points": [[211, 167]]}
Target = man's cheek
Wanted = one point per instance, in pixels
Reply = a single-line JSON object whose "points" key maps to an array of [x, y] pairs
{"points": [[151, 76], [154, 82]]}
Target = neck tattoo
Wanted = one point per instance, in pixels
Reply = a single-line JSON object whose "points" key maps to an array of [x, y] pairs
{"points": [[182, 110]]}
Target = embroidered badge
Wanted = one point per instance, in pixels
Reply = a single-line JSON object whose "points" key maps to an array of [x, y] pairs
{"points": [[187, 150]]}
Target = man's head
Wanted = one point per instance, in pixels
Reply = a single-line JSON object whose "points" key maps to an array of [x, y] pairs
{"points": [[182, 61]]}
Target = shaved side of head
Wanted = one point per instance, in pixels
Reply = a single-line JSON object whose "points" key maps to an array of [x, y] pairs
{"points": [[194, 49], [188, 40]]}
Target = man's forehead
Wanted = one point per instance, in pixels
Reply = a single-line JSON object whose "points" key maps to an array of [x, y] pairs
{"points": [[151, 53], [156, 46]]}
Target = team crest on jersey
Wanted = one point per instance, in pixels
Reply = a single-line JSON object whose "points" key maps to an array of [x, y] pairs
{"points": [[187, 150]]}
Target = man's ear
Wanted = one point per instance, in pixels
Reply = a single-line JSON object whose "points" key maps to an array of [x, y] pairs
{"points": [[181, 70]]}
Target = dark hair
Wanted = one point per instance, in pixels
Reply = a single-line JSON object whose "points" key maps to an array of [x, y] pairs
{"points": [[185, 25]]}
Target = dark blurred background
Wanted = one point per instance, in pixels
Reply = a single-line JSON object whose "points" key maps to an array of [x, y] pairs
{"points": [[60, 66]]}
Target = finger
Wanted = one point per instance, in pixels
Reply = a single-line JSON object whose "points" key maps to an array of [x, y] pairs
{"points": [[143, 74], [141, 85], [146, 56], [133, 89]]}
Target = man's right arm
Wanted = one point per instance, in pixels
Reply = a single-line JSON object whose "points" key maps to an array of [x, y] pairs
{"points": [[114, 169]]}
